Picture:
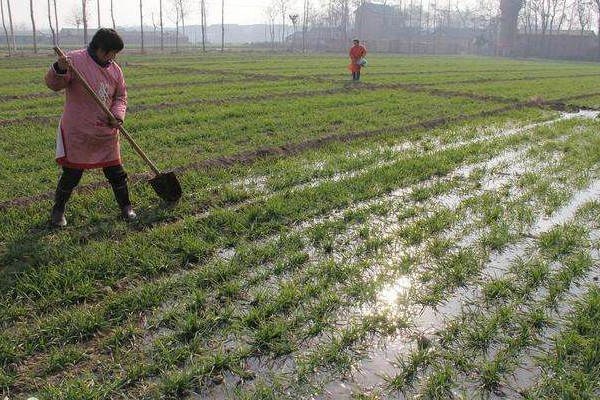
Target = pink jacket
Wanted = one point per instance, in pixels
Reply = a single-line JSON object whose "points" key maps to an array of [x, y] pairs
{"points": [[84, 138]]}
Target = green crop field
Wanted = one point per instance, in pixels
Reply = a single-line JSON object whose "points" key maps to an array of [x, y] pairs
{"points": [[431, 232]]}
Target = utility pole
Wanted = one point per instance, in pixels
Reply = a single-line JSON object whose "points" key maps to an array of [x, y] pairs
{"points": [[142, 26], [162, 38], [98, 8], [203, 24]]}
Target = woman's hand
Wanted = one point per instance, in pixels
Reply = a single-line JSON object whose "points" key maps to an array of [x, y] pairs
{"points": [[114, 123], [64, 63]]}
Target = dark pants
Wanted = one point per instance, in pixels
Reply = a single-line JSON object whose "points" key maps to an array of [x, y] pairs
{"points": [[356, 76], [70, 178]]}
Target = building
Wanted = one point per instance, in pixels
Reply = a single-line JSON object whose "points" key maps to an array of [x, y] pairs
{"points": [[563, 44], [26, 38], [378, 21], [458, 40], [132, 38], [317, 39]]}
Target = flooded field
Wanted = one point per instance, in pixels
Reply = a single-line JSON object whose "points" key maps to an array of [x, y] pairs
{"points": [[428, 233]]}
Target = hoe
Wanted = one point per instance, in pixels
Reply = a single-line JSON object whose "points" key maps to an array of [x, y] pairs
{"points": [[166, 185]]}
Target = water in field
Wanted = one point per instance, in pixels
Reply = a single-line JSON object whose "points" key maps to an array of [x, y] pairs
{"points": [[332, 236]]}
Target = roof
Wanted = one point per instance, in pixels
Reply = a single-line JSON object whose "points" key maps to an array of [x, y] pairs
{"points": [[458, 32], [563, 32], [318, 33], [376, 8], [26, 33]]}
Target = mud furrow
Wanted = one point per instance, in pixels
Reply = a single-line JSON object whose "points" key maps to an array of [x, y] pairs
{"points": [[251, 156], [172, 105], [92, 349], [323, 77], [531, 126], [42, 95], [280, 96], [300, 228], [203, 213], [515, 79], [413, 88]]}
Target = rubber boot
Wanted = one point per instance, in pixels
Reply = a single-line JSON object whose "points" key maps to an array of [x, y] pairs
{"points": [[122, 196], [57, 216]]}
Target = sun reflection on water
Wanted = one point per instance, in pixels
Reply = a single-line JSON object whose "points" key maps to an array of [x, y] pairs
{"points": [[394, 297]]}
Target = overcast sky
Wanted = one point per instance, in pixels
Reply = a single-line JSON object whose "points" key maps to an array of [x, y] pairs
{"points": [[127, 12]]}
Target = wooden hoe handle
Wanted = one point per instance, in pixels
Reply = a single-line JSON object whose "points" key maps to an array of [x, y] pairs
{"points": [[108, 113]]}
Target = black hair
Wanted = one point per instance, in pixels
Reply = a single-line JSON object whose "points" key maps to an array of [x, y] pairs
{"points": [[108, 40]]}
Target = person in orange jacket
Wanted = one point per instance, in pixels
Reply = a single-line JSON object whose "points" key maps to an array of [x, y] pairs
{"points": [[357, 52]]}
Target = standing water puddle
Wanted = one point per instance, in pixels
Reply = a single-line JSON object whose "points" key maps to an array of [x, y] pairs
{"points": [[366, 376]]}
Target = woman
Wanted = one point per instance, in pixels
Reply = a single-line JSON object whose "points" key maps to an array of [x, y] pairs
{"points": [[357, 52], [86, 138]]}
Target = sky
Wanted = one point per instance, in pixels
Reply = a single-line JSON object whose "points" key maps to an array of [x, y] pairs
{"points": [[127, 12]]}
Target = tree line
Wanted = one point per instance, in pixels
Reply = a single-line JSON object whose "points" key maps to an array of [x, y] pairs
{"points": [[543, 17]]}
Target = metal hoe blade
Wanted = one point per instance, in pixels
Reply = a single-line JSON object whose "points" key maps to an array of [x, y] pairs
{"points": [[167, 187]]}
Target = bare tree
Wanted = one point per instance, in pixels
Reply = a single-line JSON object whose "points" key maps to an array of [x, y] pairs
{"points": [[50, 23], [84, 16], [360, 16], [283, 6], [10, 21], [597, 6], [582, 14], [294, 19], [184, 11], [584, 19], [8, 45], [56, 24], [177, 20], [142, 27], [464, 15], [76, 17], [98, 9], [546, 17], [203, 23], [154, 27], [305, 24], [271, 14], [33, 26], [557, 14], [345, 18], [112, 15]]}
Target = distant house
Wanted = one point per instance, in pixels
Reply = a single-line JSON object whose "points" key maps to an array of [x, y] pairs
{"points": [[316, 33], [71, 36], [378, 21], [316, 38], [563, 44], [26, 38], [562, 32]]}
